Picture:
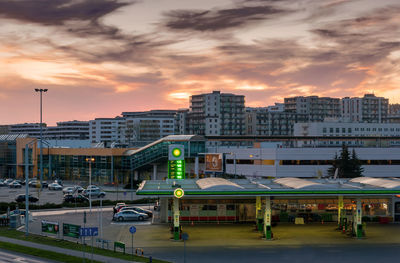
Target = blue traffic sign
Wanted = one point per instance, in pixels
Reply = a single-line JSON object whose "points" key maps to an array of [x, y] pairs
{"points": [[89, 231], [132, 229]]}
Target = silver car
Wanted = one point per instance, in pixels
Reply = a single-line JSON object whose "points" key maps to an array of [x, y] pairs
{"points": [[129, 215]]}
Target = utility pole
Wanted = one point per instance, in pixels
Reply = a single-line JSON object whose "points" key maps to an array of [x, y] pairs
{"points": [[41, 137]]}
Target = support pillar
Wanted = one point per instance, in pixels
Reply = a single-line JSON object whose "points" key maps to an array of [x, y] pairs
{"points": [[154, 172], [196, 167], [267, 219], [136, 175], [259, 217], [163, 206], [176, 219], [341, 222], [358, 220]]}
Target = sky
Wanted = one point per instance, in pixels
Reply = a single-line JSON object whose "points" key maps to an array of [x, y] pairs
{"points": [[98, 58]]}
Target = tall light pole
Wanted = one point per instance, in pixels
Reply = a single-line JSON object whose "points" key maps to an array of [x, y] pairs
{"points": [[41, 137], [90, 160]]}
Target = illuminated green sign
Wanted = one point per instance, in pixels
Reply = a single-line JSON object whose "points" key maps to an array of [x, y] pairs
{"points": [[176, 169]]}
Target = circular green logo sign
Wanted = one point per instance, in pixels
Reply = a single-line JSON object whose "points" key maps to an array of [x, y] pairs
{"points": [[179, 193], [176, 152]]}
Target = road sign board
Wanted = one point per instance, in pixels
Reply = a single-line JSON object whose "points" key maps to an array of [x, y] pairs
{"points": [[132, 229], [185, 236], [89, 231]]}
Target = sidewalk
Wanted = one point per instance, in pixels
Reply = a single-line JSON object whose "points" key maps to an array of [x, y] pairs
{"points": [[63, 250]]}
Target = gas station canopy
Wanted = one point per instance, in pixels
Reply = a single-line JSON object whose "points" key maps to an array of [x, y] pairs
{"points": [[212, 186]]}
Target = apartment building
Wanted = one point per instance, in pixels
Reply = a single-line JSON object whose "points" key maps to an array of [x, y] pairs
{"points": [[369, 109], [216, 113], [316, 108]]}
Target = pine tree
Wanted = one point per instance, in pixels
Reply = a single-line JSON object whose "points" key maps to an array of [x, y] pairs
{"points": [[347, 167]]}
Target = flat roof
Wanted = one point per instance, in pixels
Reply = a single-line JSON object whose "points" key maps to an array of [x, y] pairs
{"points": [[208, 187]]}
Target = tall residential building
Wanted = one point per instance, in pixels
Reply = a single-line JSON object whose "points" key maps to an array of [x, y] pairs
{"points": [[316, 108], [216, 113], [68, 130], [394, 113], [262, 121], [369, 109]]}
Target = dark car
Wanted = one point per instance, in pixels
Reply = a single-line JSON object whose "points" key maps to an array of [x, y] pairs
{"points": [[21, 198], [75, 198]]}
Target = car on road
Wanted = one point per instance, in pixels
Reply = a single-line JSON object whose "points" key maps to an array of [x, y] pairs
{"points": [[72, 189], [21, 198], [55, 187], [2, 183], [45, 184], [7, 181], [128, 215], [137, 209], [14, 185], [94, 193], [69, 198], [58, 181]]}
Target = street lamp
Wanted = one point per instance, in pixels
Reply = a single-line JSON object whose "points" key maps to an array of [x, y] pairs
{"points": [[26, 163], [90, 161], [41, 137]]}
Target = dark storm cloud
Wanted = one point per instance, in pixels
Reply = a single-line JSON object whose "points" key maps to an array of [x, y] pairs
{"points": [[214, 20], [56, 12]]}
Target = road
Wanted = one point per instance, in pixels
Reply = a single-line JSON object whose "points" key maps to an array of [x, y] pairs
{"points": [[7, 256]]}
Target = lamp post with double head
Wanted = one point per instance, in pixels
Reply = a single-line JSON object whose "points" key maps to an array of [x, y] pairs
{"points": [[41, 137]]}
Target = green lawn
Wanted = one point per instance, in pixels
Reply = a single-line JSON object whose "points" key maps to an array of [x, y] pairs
{"points": [[70, 245], [40, 253]]}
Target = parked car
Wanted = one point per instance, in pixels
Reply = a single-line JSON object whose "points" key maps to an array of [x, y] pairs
{"points": [[35, 184], [68, 190], [21, 198], [55, 186], [93, 187], [129, 215], [2, 183], [94, 193], [137, 209], [45, 184], [7, 181], [69, 198], [58, 181], [14, 185]]}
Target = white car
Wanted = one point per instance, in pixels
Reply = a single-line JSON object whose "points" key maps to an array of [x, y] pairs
{"points": [[55, 186], [68, 190]]}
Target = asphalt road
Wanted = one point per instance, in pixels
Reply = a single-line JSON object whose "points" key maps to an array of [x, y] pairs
{"points": [[7, 256]]}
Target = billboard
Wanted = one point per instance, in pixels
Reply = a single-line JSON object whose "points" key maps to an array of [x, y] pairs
{"points": [[70, 230], [214, 162], [50, 227]]}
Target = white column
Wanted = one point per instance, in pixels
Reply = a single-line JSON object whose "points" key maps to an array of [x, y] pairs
{"points": [[154, 172]]}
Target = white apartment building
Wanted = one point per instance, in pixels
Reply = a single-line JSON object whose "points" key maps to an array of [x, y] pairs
{"points": [[346, 129], [32, 129], [366, 109], [216, 113], [107, 130]]}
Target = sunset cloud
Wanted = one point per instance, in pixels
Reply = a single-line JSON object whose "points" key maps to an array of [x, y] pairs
{"points": [[101, 57]]}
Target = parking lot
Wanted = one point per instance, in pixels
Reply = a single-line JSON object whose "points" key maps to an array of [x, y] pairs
{"points": [[56, 197]]}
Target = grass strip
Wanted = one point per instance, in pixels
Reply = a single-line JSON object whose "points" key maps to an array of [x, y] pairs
{"points": [[40, 253], [4, 231]]}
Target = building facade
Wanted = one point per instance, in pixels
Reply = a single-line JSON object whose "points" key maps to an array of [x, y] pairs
{"points": [[369, 108], [315, 108], [216, 113], [346, 129]]}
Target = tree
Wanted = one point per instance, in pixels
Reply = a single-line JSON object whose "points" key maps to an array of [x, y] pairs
{"points": [[347, 167]]}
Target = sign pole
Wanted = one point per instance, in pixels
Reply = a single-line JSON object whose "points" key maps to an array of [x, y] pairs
{"points": [[92, 251], [132, 230], [132, 247]]}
